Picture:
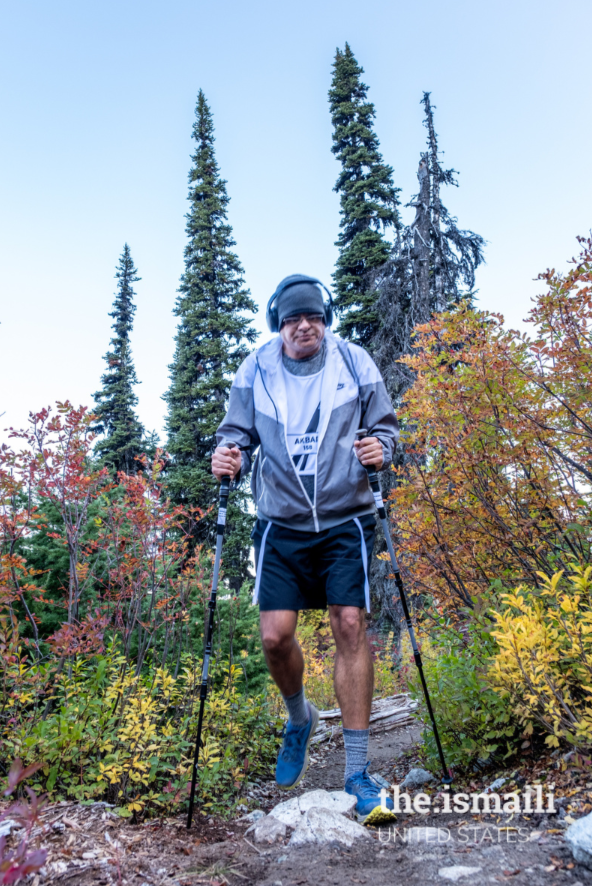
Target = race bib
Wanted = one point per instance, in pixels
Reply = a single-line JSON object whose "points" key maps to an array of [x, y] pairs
{"points": [[303, 444], [303, 449]]}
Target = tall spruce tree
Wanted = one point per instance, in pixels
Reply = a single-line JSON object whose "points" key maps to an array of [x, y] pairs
{"points": [[213, 338], [369, 201], [116, 401]]}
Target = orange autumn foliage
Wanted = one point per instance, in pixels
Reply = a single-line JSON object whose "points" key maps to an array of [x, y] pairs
{"points": [[498, 436]]}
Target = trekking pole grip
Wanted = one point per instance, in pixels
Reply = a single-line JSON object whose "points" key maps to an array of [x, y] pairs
{"points": [[373, 479], [225, 482], [223, 506]]}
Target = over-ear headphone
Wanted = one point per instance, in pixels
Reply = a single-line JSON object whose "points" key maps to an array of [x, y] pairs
{"points": [[272, 312]]}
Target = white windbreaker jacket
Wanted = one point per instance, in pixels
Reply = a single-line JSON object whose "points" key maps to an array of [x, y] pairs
{"points": [[353, 395]]}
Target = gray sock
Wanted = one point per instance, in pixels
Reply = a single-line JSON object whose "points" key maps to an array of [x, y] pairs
{"points": [[297, 706], [356, 750]]}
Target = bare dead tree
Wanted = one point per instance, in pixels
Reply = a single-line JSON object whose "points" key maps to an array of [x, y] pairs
{"points": [[431, 269]]}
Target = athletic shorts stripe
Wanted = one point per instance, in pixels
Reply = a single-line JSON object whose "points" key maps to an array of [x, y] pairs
{"points": [[365, 562], [260, 564]]}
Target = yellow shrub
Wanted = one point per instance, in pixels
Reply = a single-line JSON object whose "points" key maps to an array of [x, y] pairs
{"points": [[544, 662], [129, 739]]}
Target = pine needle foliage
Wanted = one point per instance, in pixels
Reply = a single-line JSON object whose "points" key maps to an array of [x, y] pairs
{"points": [[212, 340], [116, 401], [369, 200]]}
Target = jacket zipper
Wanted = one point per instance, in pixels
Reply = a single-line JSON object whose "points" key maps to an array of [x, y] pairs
{"points": [[314, 515]]}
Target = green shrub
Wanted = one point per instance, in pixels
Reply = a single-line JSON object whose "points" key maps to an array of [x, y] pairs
{"points": [[473, 721], [112, 735]]}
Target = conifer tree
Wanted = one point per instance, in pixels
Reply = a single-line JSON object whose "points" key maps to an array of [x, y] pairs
{"points": [[212, 339], [369, 201], [431, 269], [116, 401]]}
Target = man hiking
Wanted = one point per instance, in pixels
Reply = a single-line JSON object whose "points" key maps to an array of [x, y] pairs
{"points": [[301, 398]]}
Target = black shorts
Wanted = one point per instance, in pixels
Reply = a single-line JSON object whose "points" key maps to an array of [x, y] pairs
{"points": [[308, 570]]}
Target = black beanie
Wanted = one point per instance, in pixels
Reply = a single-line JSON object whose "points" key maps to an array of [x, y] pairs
{"points": [[300, 298]]}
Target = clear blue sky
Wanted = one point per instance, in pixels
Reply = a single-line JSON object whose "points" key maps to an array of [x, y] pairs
{"points": [[97, 106]]}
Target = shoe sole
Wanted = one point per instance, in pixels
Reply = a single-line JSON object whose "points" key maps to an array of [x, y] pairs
{"points": [[377, 817], [314, 716]]}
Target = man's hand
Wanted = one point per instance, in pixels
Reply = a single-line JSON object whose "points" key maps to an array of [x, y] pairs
{"points": [[226, 462], [369, 452]]}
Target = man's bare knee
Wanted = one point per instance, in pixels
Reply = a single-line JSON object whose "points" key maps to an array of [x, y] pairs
{"points": [[277, 633], [349, 627], [277, 644]]}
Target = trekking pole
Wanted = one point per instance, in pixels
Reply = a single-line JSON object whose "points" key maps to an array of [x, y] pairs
{"points": [[375, 486], [221, 523]]}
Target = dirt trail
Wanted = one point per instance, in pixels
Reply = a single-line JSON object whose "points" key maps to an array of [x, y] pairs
{"points": [[92, 846]]}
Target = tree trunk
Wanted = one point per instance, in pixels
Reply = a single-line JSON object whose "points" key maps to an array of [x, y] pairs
{"points": [[421, 306]]}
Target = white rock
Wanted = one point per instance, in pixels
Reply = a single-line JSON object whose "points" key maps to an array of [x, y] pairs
{"points": [[380, 781], [416, 778], [579, 837], [337, 801], [315, 798], [457, 871], [289, 812], [320, 825], [428, 835], [304, 833], [495, 785], [6, 826], [342, 802], [268, 829], [253, 816]]}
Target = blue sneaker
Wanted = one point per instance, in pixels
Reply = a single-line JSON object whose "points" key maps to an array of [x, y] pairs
{"points": [[370, 809], [292, 760]]}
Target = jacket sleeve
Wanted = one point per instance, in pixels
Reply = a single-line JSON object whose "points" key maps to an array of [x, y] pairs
{"points": [[378, 414], [238, 425]]}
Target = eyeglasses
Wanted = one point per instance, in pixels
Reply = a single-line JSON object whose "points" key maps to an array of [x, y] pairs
{"points": [[297, 320]]}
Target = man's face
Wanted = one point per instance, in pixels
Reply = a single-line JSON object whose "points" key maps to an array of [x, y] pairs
{"points": [[303, 335]]}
